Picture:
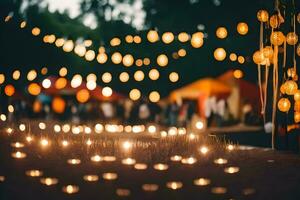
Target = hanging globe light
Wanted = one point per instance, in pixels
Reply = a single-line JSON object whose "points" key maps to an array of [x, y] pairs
{"points": [[258, 57], [115, 42], [291, 73], [167, 37], [262, 15], [128, 60], [173, 77], [292, 38], [291, 87], [277, 38], [238, 74], [297, 95], [268, 52], [284, 105], [197, 40], [153, 74], [233, 57], [124, 77], [152, 36], [297, 117], [298, 50], [68, 46], [134, 94], [59, 42], [116, 58], [9, 90], [241, 59], [183, 37], [106, 77], [129, 39], [162, 60], [139, 75], [91, 77], [80, 50], [60, 83], [90, 55], [220, 54], [2, 78], [36, 31], [83, 95], [34, 89], [154, 96], [102, 58], [58, 105], [107, 91], [242, 28], [221, 32]]}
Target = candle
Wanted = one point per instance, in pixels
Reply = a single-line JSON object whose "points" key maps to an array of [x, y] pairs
{"points": [[160, 166], [110, 176], [18, 155], [96, 158], [122, 192], [34, 173], [220, 161], [128, 161], [70, 189], [231, 170], [202, 182], [189, 160], [150, 187], [91, 178], [74, 161], [17, 145], [174, 185], [140, 166], [176, 158], [49, 181]]}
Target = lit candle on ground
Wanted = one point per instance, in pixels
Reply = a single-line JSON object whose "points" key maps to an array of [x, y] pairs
{"points": [[74, 161], [176, 158], [96, 158], [122, 192], [18, 155], [34, 173], [218, 190], [150, 187], [189, 160], [109, 158], [128, 161], [174, 185], [110, 176], [70, 189], [140, 166], [220, 161], [17, 145], [91, 178], [49, 181], [160, 166], [202, 182], [231, 170]]}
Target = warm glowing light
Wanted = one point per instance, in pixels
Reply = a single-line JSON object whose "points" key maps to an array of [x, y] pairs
{"points": [[102, 58], [31, 75], [36, 31], [10, 108], [42, 125], [18, 155], [124, 77], [202, 182], [167, 37], [128, 60], [140, 166], [139, 62], [220, 54], [221, 32], [241, 59], [76, 81], [183, 37], [3, 117], [292, 38], [91, 85], [128, 161], [109, 158], [49, 181], [34, 89], [174, 77], [137, 39], [220, 161], [46, 83], [109, 176], [70, 189], [44, 142], [87, 43], [58, 105], [153, 74], [242, 28], [34, 173], [116, 58], [2, 78], [162, 60], [107, 91], [122, 192], [277, 38], [150, 187], [154, 96], [174, 185], [91, 178], [160, 167], [146, 61], [262, 15], [82, 95], [63, 71], [181, 52], [134, 94], [284, 105], [176, 158], [16, 74], [96, 158], [74, 161], [127, 145], [189, 160], [29, 139], [218, 190], [59, 42], [129, 39], [291, 87], [139, 75], [152, 36], [23, 24], [65, 143], [204, 150], [68, 46], [115, 42], [199, 125], [231, 170], [297, 95], [90, 55], [233, 57], [238, 74], [9, 90], [106, 77], [80, 50], [60, 83], [197, 40], [17, 145]]}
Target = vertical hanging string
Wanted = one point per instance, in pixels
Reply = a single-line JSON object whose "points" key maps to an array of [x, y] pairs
{"points": [[259, 73], [275, 88], [266, 88], [294, 53]]}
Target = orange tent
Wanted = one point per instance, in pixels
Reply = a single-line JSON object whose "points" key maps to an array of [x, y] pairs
{"points": [[200, 90]]}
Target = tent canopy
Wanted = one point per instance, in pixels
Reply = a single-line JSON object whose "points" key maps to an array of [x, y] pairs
{"points": [[207, 87]]}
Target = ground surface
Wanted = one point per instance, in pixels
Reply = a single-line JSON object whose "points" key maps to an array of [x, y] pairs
{"points": [[262, 173]]}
